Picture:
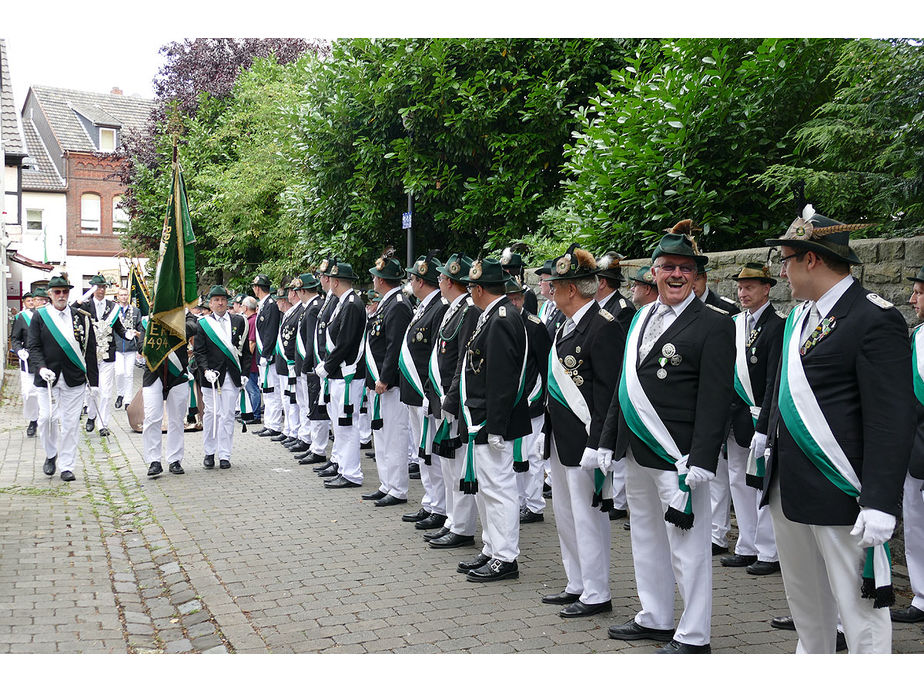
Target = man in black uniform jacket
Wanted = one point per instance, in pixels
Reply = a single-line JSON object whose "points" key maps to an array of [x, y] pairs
{"points": [[583, 370], [513, 265], [840, 433], [384, 336], [62, 352], [609, 276], [284, 356], [19, 338], [327, 468], [496, 412], [414, 360], [268, 318], [306, 386], [758, 340], [668, 418], [222, 353], [548, 313]]}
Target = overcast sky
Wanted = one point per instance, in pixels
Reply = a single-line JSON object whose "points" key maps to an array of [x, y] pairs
{"points": [[95, 48]]}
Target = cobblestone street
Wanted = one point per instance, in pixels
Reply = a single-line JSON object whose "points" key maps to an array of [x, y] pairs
{"points": [[262, 558]]}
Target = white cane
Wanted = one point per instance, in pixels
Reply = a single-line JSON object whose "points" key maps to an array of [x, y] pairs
{"points": [[215, 409]]}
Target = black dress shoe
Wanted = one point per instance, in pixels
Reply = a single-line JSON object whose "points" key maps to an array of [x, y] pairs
{"points": [[579, 608], [387, 500], [413, 471], [477, 562], [341, 482], [528, 516], [451, 540], [31, 429], [91, 424], [495, 569], [49, 467], [562, 597], [910, 615], [783, 622], [267, 432], [415, 517], [329, 472], [299, 448], [716, 549], [375, 495], [209, 461], [155, 469], [224, 464], [324, 467], [304, 458], [103, 432], [618, 513], [67, 476], [442, 531], [175, 468], [118, 402], [840, 642], [279, 437], [289, 441], [547, 494], [630, 630], [432, 522], [764, 567], [366, 446], [738, 561], [674, 647]]}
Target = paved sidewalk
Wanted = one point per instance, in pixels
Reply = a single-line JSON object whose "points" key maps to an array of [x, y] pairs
{"points": [[262, 558]]}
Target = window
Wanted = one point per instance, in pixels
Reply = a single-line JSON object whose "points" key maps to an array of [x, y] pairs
{"points": [[107, 140], [119, 216], [34, 219], [89, 213]]}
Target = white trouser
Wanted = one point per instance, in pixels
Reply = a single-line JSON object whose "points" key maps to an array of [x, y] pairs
{"points": [[529, 483], [219, 444], [304, 402], [365, 418], [720, 502], [290, 409], [665, 555], [913, 518], [390, 452], [821, 568], [272, 401], [124, 373], [431, 475], [461, 508], [755, 528], [320, 434], [99, 406], [619, 484], [66, 406], [154, 405], [583, 532], [345, 451], [497, 501], [30, 405]]}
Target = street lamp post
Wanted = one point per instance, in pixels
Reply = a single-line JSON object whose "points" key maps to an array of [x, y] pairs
{"points": [[407, 219]]}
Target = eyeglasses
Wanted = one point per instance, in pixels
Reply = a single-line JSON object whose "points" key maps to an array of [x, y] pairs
{"points": [[56, 292], [784, 260], [669, 269]]}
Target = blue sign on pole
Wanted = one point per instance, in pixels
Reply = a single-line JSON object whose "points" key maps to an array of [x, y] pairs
{"points": [[406, 220]]}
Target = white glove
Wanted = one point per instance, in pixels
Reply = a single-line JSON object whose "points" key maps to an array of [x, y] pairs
{"points": [[496, 442], [23, 354], [262, 362], [758, 445], [873, 527], [211, 376], [94, 393], [130, 334], [697, 476], [320, 371], [46, 374], [449, 418], [589, 459], [604, 460]]}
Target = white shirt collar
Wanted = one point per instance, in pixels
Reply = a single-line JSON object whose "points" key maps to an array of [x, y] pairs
{"points": [[680, 307], [493, 303], [581, 312], [601, 301], [429, 297], [703, 297], [387, 294], [826, 303], [458, 299], [755, 315]]}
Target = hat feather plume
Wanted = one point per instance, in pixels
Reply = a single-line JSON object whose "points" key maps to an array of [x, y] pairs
{"points": [[584, 259], [506, 256]]}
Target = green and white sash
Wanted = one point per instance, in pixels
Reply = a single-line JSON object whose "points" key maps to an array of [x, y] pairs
{"points": [[917, 360], [643, 420], [444, 434], [373, 369], [67, 343], [110, 319], [348, 370], [756, 466], [27, 316], [407, 367], [808, 426], [222, 342]]}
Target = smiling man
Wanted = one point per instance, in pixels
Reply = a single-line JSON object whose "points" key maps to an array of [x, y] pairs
{"points": [[667, 419], [840, 437]]}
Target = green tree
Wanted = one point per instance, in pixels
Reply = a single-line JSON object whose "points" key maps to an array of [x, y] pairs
{"points": [[680, 132]]}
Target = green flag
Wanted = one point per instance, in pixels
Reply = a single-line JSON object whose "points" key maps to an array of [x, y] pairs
{"points": [[138, 291], [175, 279]]}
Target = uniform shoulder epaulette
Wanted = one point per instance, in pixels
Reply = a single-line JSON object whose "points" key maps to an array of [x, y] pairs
{"points": [[606, 315], [469, 301], [782, 314], [623, 303], [351, 297], [720, 311], [444, 301], [502, 311], [81, 310], [878, 300], [534, 319]]}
